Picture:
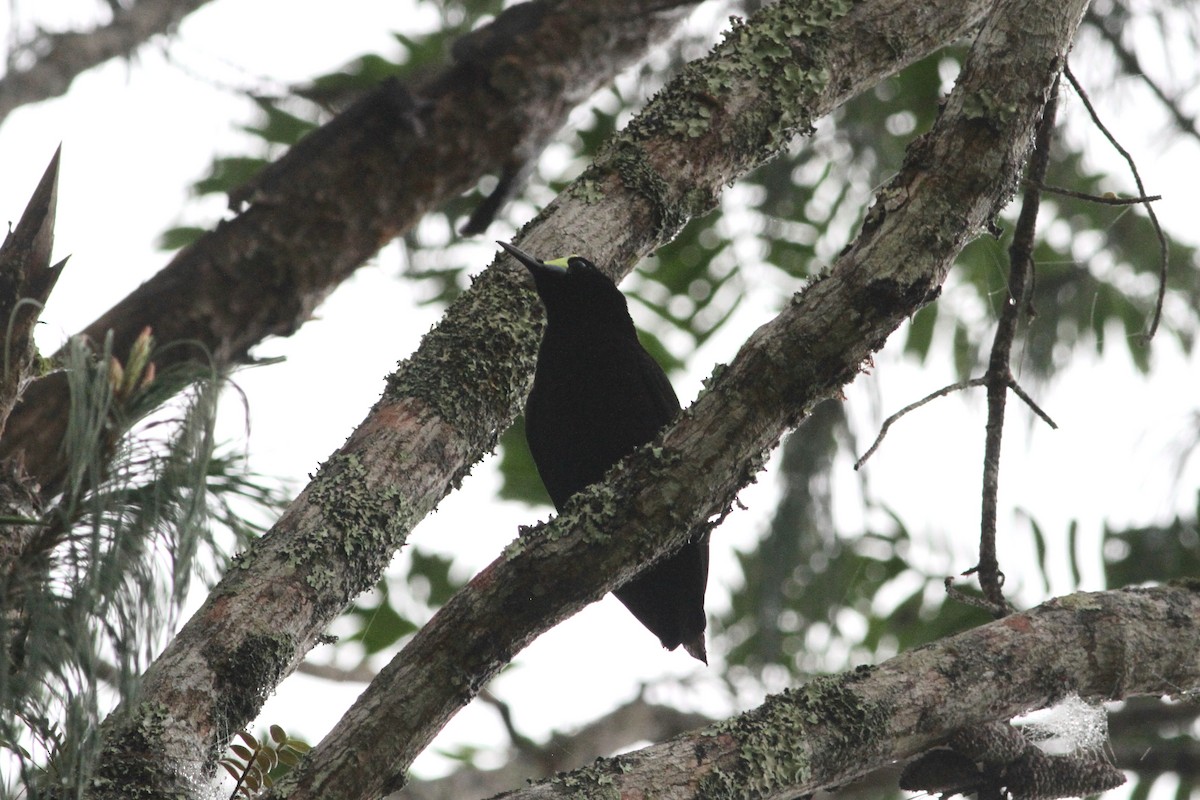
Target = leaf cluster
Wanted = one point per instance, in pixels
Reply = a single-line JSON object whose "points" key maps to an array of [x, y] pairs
{"points": [[256, 764], [146, 505]]}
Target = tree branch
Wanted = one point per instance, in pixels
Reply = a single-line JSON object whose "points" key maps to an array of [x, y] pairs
{"points": [[1132, 65], [954, 181], [444, 405], [1102, 645], [999, 375], [929, 398], [356, 183], [1163, 248], [56, 59]]}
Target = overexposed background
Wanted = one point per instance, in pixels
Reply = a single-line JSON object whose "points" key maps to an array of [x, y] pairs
{"points": [[136, 134]]}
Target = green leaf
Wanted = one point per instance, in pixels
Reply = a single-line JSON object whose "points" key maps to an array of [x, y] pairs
{"points": [[435, 570], [1138, 555], [381, 626], [920, 332], [358, 76], [1039, 543], [279, 126], [1073, 551], [659, 352], [179, 237], [965, 353], [519, 477], [228, 174]]}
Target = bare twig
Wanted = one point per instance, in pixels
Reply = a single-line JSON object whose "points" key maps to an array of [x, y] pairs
{"points": [[58, 58], [887, 423], [945, 390], [1163, 254], [1016, 387], [1133, 67], [1102, 199], [362, 672], [999, 375], [958, 595], [523, 744]]}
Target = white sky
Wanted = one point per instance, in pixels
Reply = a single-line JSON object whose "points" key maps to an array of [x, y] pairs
{"points": [[135, 135]]}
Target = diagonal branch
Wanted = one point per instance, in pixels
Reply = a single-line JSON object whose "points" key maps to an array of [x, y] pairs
{"points": [[954, 181], [56, 59], [1102, 645], [358, 182], [443, 407]]}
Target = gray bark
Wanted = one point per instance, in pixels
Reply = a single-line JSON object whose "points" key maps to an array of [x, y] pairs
{"points": [[444, 406], [1102, 646], [46, 65]]}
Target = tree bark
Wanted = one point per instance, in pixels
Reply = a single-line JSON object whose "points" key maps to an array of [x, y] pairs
{"points": [[58, 58], [443, 407], [355, 184], [1101, 645]]}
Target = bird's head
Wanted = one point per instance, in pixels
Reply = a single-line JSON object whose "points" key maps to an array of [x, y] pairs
{"points": [[573, 289]]}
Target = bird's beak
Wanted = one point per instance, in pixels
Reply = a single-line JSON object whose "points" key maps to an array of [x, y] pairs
{"points": [[532, 264]]}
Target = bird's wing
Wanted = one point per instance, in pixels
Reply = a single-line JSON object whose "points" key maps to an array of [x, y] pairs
{"points": [[658, 387]]}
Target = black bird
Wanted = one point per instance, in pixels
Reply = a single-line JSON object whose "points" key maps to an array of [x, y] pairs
{"points": [[597, 396]]}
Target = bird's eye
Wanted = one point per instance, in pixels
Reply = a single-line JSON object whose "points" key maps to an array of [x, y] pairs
{"points": [[577, 263]]}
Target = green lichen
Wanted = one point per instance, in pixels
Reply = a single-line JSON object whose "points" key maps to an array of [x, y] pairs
{"points": [[590, 513], [984, 106], [775, 62], [473, 368], [585, 514], [1080, 601], [124, 766], [587, 189], [765, 74], [796, 734], [365, 523], [594, 782]]}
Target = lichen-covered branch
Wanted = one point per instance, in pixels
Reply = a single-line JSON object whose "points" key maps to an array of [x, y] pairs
{"points": [[1102, 646], [355, 184], [444, 406], [954, 181]]}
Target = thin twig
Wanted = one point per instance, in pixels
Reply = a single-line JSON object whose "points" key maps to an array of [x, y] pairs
{"points": [[887, 423], [1133, 67], [958, 595], [1016, 387], [999, 374], [945, 390], [520, 741], [1102, 199], [1163, 254]]}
